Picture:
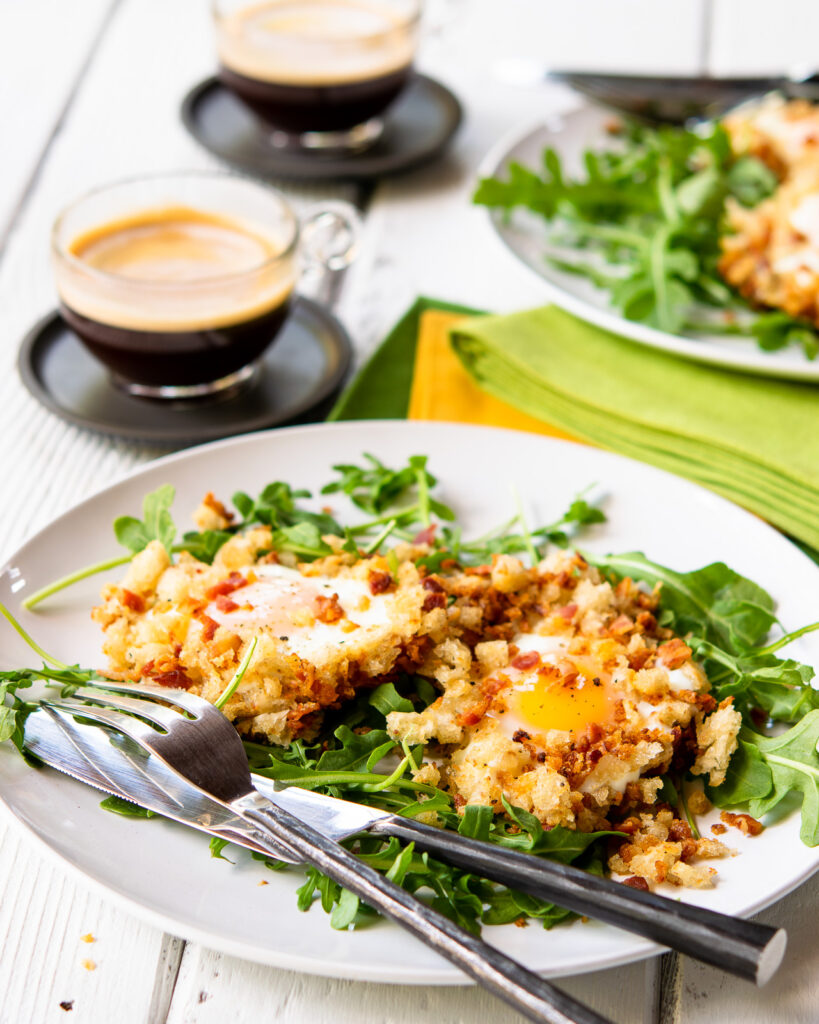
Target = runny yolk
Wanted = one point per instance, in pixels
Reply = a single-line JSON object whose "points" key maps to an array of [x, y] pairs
{"points": [[571, 704]]}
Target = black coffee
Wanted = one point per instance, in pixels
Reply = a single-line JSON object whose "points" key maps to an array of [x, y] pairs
{"points": [[177, 358], [176, 296], [316, 108], [317, 65]]}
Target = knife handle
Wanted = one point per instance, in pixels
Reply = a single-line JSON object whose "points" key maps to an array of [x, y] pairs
{"points": [[528, 993], [749, 950]]}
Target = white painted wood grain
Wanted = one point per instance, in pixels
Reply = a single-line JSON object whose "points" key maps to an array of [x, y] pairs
{"points": [[627, 36], [212, 988], [756, 37], [422, 236], [44, 47], [704, 995], [44, 915]]}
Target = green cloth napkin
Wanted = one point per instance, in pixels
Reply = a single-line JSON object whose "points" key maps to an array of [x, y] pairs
{"points": [[754, 440], [381, 388]]}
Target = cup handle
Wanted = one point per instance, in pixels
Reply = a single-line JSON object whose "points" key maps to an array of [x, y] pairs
{"points": [[330, 234]]}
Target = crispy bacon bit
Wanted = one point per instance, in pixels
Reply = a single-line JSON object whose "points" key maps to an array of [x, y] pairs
{"points": [[217, 506], [434, 600], [434, 584], [328, 609], [520, 736], [679, 830], [674, 653], [379, 581], [209, 627], [759, 718], [226, 604], [744, 822], [233, 582], [300, 711], [473, 715], [568, 611], [174, 678], [132, 600], [527, 660], [639, 659], [646, 621], [622, 624], [689, 849], [425, 536], [636, 882]]}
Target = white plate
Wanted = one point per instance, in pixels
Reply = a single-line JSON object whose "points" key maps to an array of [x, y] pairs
{"points": [[163, 872], [523, 233]]}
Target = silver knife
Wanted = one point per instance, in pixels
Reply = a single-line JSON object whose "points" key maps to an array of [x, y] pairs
{"points": [[87, 753]]}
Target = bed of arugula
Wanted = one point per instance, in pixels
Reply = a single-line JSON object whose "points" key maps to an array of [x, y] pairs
{"points": [[645, 222], [724, 617]]}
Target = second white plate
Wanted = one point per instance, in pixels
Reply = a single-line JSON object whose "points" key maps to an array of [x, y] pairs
{"points": [[524, 235]]}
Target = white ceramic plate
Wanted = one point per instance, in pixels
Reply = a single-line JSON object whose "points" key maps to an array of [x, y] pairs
{"points": [[523, 233], [163, 872]]}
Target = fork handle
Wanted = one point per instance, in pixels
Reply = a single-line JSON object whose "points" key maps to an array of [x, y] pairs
{"points": [[750, 950], [528, 993]]}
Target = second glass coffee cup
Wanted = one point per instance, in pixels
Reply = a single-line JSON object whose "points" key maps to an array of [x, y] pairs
{"points": [[320, 73], [178, 283]]}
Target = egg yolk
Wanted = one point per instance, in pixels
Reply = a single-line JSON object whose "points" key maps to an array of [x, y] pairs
{"points": [[570, 703]]}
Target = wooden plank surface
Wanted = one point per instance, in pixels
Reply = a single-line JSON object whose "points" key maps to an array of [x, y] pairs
{"points": [[45, 48], [756, 37], [118, 115]]}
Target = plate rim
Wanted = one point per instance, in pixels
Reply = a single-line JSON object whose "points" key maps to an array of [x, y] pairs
{"points": [[35, 337], [495, 161], [337, 168], [640, 949]]}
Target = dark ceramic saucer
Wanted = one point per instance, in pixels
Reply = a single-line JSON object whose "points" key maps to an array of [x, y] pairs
{"points": [[300, 371], [416, 128]]}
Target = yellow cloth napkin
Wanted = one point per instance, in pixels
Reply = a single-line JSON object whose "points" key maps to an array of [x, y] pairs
{"points": [[443, 390]]}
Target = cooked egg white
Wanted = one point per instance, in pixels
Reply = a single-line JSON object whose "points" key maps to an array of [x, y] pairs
{"points": [[283, 602]]}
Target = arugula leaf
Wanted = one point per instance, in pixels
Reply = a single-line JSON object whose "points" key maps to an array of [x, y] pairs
{"points": [[714, 603], [645, 223], [156, 522], [277, 507], [766, 769], [204, 545], [125, 808], [748, 777]]}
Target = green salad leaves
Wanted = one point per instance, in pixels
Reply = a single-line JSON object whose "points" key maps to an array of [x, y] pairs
{"points": [[724, 617], [644, 224]]}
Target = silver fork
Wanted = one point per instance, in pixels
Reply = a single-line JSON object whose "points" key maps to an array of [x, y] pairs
{"points": [[204, 748]]}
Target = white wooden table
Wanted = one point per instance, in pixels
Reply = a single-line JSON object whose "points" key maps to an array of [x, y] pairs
{"points": [[89, 92]]}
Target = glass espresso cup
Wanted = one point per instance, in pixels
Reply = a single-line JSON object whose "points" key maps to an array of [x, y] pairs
{"points": [[318, 72], [178, 283]]}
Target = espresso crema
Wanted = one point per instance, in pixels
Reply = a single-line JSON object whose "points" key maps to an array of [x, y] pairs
{"points": [[176, 295], [317, 64]]}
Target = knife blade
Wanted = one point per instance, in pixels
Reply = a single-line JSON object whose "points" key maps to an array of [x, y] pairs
{"points": [[86, 753], [748, 949]]}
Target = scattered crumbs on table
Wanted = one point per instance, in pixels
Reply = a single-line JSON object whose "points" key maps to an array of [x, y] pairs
{"points": [[263, 882], [89, 965], [67, 1005], [203, 996], [88, 937]]}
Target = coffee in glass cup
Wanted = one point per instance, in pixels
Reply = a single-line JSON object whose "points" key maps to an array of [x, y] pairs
{"points": [[179, 282], [318, 72]]}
